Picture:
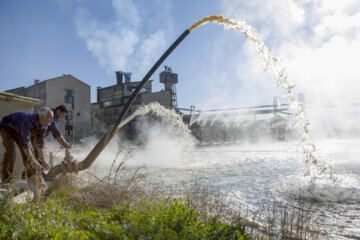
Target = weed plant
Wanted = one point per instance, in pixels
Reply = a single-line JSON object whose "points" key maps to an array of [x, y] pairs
{"points": [[61, 218]]}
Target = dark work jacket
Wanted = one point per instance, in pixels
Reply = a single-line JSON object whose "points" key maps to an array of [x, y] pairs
{"points": [[54, 126], [24, 125]]}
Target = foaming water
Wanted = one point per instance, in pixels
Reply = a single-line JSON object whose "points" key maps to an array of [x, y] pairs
{"points": [[274, 66], [160, 146], [174, 122], [247, 174]]}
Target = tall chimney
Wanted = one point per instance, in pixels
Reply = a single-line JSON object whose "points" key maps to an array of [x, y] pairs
{"points": [[119, 77]]}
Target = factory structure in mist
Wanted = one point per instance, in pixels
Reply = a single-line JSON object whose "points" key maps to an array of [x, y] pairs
{"points": [[112, 99]]}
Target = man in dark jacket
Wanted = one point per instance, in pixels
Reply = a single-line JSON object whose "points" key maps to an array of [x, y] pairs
{"points": [[17, 128], [59, 112]]}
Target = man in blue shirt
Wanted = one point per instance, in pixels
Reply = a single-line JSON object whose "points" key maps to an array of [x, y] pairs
{"points": [[59, 112], [17, 128]]}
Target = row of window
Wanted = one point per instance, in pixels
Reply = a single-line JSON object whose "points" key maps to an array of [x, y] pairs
{"points": [[109, 94], [69, 100], [111, 112], [121, 101]]}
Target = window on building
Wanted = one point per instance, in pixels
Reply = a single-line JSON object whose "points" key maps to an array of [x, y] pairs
{"points": [[138, 100], [69, 116], [117, 101], [106, 90], [69, 97], [119, 88], [107, 104]]}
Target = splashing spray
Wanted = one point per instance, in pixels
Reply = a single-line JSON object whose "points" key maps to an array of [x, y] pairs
{"points": [[175, 121]]}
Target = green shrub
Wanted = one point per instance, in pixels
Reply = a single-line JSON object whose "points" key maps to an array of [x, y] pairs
{"points": [[59, 219]]}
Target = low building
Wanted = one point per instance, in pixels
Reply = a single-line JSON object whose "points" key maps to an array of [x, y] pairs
{"points": [[66, 90], [11, 103]]}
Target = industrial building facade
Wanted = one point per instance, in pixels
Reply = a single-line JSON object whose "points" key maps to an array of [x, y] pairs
{"points": [[112, 99], [66, 90]]}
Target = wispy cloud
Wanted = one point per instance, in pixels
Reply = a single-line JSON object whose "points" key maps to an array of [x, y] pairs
{"points": [[128, 41]]}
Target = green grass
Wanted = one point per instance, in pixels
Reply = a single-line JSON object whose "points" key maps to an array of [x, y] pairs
{"points": [[64, 219]]}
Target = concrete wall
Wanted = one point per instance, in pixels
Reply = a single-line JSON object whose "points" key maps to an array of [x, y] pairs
{"points": [[11, 107], [163, 98], [82, 107], [37, 90]]}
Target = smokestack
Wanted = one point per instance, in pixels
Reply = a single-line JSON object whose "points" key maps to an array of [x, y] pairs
{"points": [[98, 89], [119, 77], [127, 77]]}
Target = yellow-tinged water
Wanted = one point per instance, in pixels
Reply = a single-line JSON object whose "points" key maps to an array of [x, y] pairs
{"points": [[274, 66]]}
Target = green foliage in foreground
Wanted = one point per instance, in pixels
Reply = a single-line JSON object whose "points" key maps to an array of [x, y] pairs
{"points": [[58, 219]]}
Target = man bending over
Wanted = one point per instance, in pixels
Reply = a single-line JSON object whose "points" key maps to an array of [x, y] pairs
{"points": [[18, 128]]}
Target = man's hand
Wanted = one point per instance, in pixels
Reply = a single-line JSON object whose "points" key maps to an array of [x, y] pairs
{"points": [[35, 164], [63, 142], [31, 160], [67, 145], [45, 165]]}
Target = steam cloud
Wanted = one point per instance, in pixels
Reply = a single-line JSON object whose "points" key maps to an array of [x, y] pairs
{"points": [[130, 42]]}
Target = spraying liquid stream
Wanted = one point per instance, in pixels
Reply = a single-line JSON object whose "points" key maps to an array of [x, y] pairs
{"points": [[273, 65], [173, 120]]}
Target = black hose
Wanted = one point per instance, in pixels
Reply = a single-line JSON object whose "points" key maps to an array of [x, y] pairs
{"points": [[148, 75]]}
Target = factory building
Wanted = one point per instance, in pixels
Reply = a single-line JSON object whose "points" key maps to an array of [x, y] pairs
{"points": [[66, 90], [112, 99]]}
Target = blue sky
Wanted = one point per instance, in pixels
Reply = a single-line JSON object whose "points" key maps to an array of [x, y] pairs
{"points": [[317, 42]]}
